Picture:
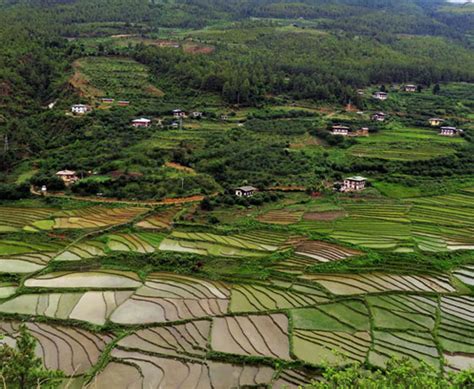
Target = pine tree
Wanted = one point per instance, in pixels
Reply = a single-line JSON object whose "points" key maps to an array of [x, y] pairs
{"points": [[21, 368]]}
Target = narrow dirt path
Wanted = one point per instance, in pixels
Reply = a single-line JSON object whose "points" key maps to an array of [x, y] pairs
{"points": [[150, 203]]}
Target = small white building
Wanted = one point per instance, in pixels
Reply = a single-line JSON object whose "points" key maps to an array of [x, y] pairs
{"points": [[354, 184], [380, 95], [142, 122], [245, 191], [196, 114], [410, 88], [80, 109], [435, 122], [175, 125], [449, 131], [179, 114], [340, 130], [107, 100], [68, 176], [378, 117]]}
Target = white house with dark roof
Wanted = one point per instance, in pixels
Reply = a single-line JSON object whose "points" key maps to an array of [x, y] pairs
{"points": [[141, 122], [380, 95], [354, 184], [179, 114], [80, 109], [410, 88], [340, 130], [449, 131], [245, 191], [379, 117]]}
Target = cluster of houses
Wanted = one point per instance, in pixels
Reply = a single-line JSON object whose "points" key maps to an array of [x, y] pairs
{"points": [[178, 115], [444, 130], [82, 109], [346, 131], [349, 184], [379, 95]]}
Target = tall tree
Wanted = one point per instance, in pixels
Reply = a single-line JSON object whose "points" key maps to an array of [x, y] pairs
{"points": [[21, 368]]}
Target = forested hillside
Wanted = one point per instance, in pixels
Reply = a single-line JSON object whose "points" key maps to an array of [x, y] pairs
{"points": [[236, 193], [234, 54]]}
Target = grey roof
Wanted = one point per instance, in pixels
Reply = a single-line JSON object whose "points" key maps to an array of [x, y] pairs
{"points": [[247, 188], [357, 178]]}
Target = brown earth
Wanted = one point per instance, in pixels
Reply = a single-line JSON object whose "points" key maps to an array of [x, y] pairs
{"points": [[177, 166], [195, 48], [324, 216], [81, 83]]}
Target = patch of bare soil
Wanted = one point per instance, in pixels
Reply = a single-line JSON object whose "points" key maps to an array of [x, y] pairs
{"points": [[153, 90], [324, 216], [81, 83], [195, 48], [177, 166]]}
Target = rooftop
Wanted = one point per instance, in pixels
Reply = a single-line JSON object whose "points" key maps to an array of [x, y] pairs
{"points": [[247, 188], [357, 178], [66, 173]]}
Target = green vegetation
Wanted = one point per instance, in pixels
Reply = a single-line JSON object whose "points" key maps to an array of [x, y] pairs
{"points": [[21, 368], [148, 269]]}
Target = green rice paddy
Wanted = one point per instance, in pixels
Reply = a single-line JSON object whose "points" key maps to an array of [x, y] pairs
{"points": [[294, 288]]}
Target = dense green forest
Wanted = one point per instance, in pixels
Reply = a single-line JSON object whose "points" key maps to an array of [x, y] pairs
{"points": [[260, 53]]}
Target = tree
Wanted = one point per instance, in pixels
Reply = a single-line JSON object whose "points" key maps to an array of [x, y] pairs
{"points": [[21, 368], [436, 89], [399, 373]]}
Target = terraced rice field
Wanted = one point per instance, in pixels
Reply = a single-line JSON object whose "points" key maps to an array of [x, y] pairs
{"points": [[256, 243], [100, 279], [418, 346], [82, 250], [24, 263], [70, 349], [265, 335], [13, 247], [183, 339], [260, 298], [352, 284], [323, 252], [137, 370], [140, 242], [168, 297], [182, 330], [281, 216], [160, 220], [95, 217], [465, 274], [439, 223], [91, 307], [14, 219], [403, 312], [455, 331], [7, 289], [336, 348]]}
